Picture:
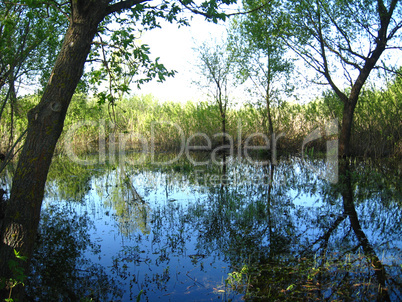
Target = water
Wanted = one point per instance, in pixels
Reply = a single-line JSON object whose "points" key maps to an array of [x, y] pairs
{"points": [[184, 233]]}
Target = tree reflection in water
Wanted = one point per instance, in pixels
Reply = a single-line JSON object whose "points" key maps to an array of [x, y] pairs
{"points": [[59, 270], [281, 250], [247, 232]]}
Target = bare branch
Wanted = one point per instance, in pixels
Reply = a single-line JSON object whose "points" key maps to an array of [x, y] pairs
{"points": [[326, 71], [343, 58], [394, 30], [347, 40]]}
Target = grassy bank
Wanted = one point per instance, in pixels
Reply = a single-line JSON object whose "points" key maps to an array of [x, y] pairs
{"points": [[144, 123]]}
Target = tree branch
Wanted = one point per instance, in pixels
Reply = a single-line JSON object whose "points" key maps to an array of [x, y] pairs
{"points": [[347, 40], [326, 72], [394, 30], [196, 11], [122, 5], [58, 6], [249, 11], [209, 16]]}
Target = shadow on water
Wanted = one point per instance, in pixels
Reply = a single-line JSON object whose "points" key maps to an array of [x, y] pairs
{"points": [[179, 232]]}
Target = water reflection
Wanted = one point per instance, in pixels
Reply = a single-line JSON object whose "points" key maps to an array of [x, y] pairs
{"points": [[60, 272], [189, 233]]}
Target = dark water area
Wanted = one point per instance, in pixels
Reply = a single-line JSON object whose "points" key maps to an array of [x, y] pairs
{"points": [[154, 230]]}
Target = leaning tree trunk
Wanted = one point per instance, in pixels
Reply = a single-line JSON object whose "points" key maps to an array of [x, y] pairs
{"points": [[45, 124], [370, 62], [349, 103]]}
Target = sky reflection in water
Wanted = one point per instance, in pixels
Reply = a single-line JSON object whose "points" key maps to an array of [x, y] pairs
{"points": [[176, 232]]}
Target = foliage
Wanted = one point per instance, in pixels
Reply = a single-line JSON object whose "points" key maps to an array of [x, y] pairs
{"points": [[30, 39], [260, 58], [19, 276], [239, 279], [215, 65], [120, 62], [376, 131]]}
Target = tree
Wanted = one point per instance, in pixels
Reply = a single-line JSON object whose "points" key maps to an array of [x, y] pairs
{"points": [[215, 68], [344, 35], [86, 19], [29, 41], [260, 56]]}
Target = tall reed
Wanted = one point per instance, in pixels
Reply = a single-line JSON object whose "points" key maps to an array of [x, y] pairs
{"points": [[165, 126]]}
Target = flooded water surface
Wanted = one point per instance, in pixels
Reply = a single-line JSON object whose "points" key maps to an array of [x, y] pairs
{"points": [[178, 232]]}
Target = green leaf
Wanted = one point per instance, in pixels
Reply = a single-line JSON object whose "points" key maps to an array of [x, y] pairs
{"points": [[290, 287]]}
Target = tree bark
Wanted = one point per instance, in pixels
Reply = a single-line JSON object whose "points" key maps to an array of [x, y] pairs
{"points": [[346, 130], [45, 124]]}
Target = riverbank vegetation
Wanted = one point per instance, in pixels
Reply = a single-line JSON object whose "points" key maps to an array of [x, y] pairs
{"points": [[146, 123]]}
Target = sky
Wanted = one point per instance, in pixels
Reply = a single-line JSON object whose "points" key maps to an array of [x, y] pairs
{"points": [[175, 47]]}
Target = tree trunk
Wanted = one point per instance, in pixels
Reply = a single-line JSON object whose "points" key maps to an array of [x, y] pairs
{"points": [[381, 40], [45, 124], [223, 123], [346, 130]]}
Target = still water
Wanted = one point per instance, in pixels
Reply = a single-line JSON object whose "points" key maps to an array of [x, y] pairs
{"points": [[178, 232]]}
